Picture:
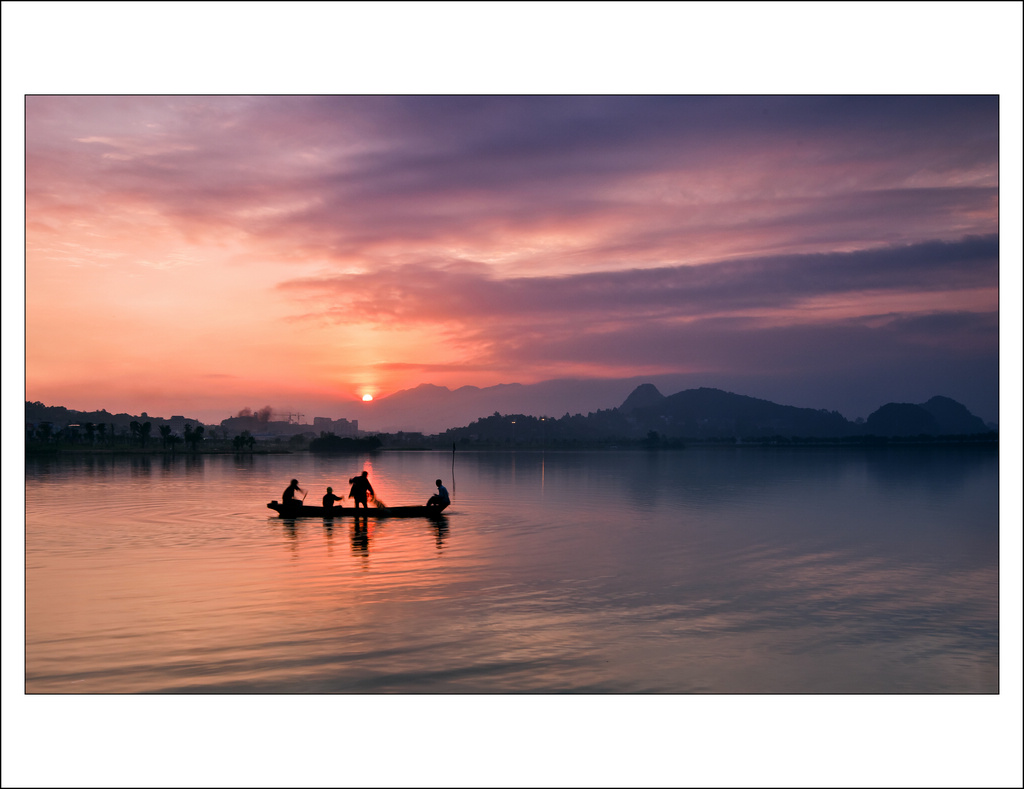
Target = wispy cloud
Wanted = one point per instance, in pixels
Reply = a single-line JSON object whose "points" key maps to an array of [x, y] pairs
{"points": [[471, 292], [532, 179]]}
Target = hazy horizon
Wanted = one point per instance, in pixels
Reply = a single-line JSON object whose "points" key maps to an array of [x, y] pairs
{"points": [[424, 408]]}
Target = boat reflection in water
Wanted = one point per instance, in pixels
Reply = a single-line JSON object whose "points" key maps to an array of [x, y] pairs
{"points": [[360, 528]]}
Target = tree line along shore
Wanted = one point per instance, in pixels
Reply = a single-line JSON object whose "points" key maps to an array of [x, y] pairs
{"points": [[519, 433]]}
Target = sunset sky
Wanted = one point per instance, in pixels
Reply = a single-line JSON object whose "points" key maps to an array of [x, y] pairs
{"points": [[200, 254]]}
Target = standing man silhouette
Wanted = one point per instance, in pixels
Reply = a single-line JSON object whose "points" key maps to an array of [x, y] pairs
{"points": [[360, 487]]}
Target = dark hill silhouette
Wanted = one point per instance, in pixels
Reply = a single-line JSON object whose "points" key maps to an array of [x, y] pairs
{"points": [[940, 416], [902, 419], [713, 414], [644, 396], [953, 418], [710, 414]]}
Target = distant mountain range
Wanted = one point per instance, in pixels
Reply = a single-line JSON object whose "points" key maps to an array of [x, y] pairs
{"points": [[648, 418], [697, 413], [434, 409], [472, 413]]}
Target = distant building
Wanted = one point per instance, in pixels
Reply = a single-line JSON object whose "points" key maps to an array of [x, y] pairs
{"points": [[342, 428], [263, 430]]}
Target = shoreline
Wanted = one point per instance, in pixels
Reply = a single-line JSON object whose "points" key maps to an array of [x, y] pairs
{"points": [[860, 442]]}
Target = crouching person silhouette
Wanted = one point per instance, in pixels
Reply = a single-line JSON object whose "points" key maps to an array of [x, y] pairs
{"points": [[439, 500]]}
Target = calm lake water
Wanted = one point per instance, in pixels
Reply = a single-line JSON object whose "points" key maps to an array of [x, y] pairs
{"points": [[739, 570]]}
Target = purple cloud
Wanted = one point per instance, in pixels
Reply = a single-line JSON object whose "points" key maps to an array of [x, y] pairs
{"points": [[470, 292]]}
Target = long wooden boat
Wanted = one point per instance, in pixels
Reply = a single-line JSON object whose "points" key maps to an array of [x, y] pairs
{"points": [[307, 511]]}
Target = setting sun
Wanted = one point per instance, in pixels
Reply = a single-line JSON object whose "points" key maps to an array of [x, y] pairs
{"points": [[367, 398]]}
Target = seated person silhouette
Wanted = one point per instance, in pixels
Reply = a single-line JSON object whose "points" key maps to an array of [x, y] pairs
{"points": [[440, 500], [329, 499], [288, 500]]}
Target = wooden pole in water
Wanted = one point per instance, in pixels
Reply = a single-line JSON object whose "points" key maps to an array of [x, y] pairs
{"points": [[453, 469]]}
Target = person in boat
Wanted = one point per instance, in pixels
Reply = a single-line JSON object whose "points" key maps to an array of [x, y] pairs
{"points": [[329, 499], [360, 487], [288, 499], [439, 500]]}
